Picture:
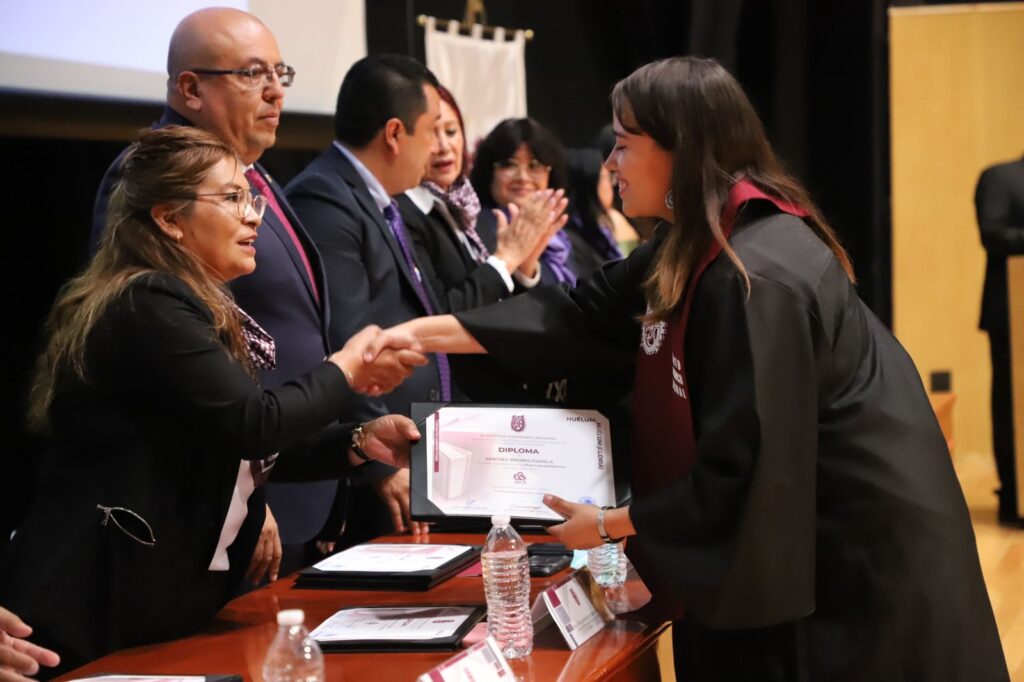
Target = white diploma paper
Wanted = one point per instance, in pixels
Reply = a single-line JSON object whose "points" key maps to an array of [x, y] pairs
{"points": [[391, 558], [482, 662], [502, 460], [403, 623]]}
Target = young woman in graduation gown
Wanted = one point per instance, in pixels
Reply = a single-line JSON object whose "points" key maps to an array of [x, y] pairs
{"points": [[795, 510], [159, 430]]}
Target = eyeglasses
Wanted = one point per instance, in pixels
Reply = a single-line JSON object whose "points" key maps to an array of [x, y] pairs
{"points": [[243, 200], [259, 76], [509, 168]]}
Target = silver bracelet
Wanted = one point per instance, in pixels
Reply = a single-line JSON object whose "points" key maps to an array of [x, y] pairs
{"points": [[605, 538]]}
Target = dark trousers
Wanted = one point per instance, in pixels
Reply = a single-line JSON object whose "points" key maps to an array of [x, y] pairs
{"points": [[1002, 421]]}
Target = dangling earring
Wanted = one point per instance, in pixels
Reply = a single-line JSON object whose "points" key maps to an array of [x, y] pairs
{"points": [[669, 204]]}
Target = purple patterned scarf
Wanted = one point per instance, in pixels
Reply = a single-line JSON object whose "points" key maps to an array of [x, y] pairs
{"points": [[464, 205], [262, 351]]}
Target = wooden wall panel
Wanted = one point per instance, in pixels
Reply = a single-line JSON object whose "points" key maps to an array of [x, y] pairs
{"points": [[957, 106]]}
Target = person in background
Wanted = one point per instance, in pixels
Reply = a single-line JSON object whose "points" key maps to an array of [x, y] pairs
{"points": [[20, 658], [441, 216], [517, 159], [795, 510], [999, 203], [148, 391], [596, 235]]}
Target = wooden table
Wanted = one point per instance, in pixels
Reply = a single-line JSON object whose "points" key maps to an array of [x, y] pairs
{"points": [[237, 640]]}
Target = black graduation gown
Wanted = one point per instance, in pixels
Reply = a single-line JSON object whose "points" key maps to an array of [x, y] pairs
{"points": [[822, 533]]}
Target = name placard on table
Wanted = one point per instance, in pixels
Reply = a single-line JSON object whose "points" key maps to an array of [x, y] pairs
{"points": [[482, 662], [576, 605]]}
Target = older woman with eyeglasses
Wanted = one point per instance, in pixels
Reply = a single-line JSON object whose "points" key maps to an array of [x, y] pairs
{"points": [[159, 431], [516, 160]]}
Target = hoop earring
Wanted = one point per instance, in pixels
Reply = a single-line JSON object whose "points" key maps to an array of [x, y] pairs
{"points": [[669, 204]]}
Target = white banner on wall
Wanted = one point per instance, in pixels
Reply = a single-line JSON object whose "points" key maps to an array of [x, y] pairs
{"points": [[486, 76]]}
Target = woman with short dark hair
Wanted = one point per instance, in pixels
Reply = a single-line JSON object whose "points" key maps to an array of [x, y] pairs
{"points": [[517, 159]]}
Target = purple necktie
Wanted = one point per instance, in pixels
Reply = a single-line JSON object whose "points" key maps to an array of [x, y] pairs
{"points": [[397, 227]]}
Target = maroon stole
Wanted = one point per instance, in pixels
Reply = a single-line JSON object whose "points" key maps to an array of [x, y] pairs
{"points": [[664, 444]]}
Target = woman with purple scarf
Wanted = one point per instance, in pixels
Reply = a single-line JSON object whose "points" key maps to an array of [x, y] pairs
{"points": [[467, 268], [517, 159]]}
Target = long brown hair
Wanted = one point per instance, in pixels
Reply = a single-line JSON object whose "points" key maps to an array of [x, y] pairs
{"points": [[695, 109], [163, 166]]}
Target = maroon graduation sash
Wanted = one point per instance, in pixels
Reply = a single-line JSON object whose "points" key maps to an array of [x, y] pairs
{"points": [[664, 444]]}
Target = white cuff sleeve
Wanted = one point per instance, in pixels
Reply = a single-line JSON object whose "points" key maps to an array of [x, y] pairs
{"points": [[528, 282], [502, 269]]}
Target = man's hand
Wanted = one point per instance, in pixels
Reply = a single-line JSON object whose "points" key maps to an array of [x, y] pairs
{"points": [[394, 490], [387, 439], [266, 560], [18, 657], [384, 372]]}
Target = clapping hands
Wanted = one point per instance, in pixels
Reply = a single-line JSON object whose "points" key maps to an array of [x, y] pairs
{"points": [[530, 226]]}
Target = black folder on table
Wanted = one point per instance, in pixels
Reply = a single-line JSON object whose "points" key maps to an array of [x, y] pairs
{"points": [[411, 581], [475, 614]]}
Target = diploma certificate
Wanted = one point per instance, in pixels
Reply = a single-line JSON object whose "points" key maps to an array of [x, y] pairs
{"points": [[485, 460]]}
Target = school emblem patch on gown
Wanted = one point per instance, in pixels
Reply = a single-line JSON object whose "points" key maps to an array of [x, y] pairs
{"points": [[651, 337]]}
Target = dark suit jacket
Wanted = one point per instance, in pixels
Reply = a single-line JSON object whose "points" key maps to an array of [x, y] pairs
{"points": [[279, 296], [999, 201], [369, 279], [159, 429], [457, 280]]}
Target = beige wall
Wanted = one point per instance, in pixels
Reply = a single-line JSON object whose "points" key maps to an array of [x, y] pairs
{"points": [[957, 105]]}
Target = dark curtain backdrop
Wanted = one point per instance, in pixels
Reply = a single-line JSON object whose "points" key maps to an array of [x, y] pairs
{"points": [[816, 71]]}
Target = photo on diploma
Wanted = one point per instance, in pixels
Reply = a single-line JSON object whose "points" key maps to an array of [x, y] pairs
{"points": [[474, 461]]}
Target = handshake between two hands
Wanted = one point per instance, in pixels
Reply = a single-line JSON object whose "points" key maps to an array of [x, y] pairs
{"points": [[375, 361]]}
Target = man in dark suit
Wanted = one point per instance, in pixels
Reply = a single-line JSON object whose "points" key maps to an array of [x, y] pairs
{"points": [[384, 123], [226, 76], [999, 201]]}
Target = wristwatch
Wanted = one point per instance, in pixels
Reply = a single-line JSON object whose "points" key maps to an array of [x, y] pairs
{"points": [[358, 438], [600, 528]]}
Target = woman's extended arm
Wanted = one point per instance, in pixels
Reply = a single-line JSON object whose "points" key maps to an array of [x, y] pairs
{"points": [[436, 334]]}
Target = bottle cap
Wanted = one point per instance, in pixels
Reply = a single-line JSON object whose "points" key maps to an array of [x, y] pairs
{"points": [[291, 617], [500, 520]]}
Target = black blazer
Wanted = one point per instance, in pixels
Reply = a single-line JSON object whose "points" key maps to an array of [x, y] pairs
{"points": [[279, 296], [159, 429], [999, 202], [458, 281], [366, 270]]}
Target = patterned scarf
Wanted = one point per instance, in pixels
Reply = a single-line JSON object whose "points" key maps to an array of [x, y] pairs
{"points": [[461, 200], [262, 351]]}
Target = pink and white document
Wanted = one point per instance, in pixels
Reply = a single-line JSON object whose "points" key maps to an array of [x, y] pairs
{"points": [[485, 460]]}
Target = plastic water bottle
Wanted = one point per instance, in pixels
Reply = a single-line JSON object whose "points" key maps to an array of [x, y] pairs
{"points": [[507, 585], [607, 564], [293, 656]]}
